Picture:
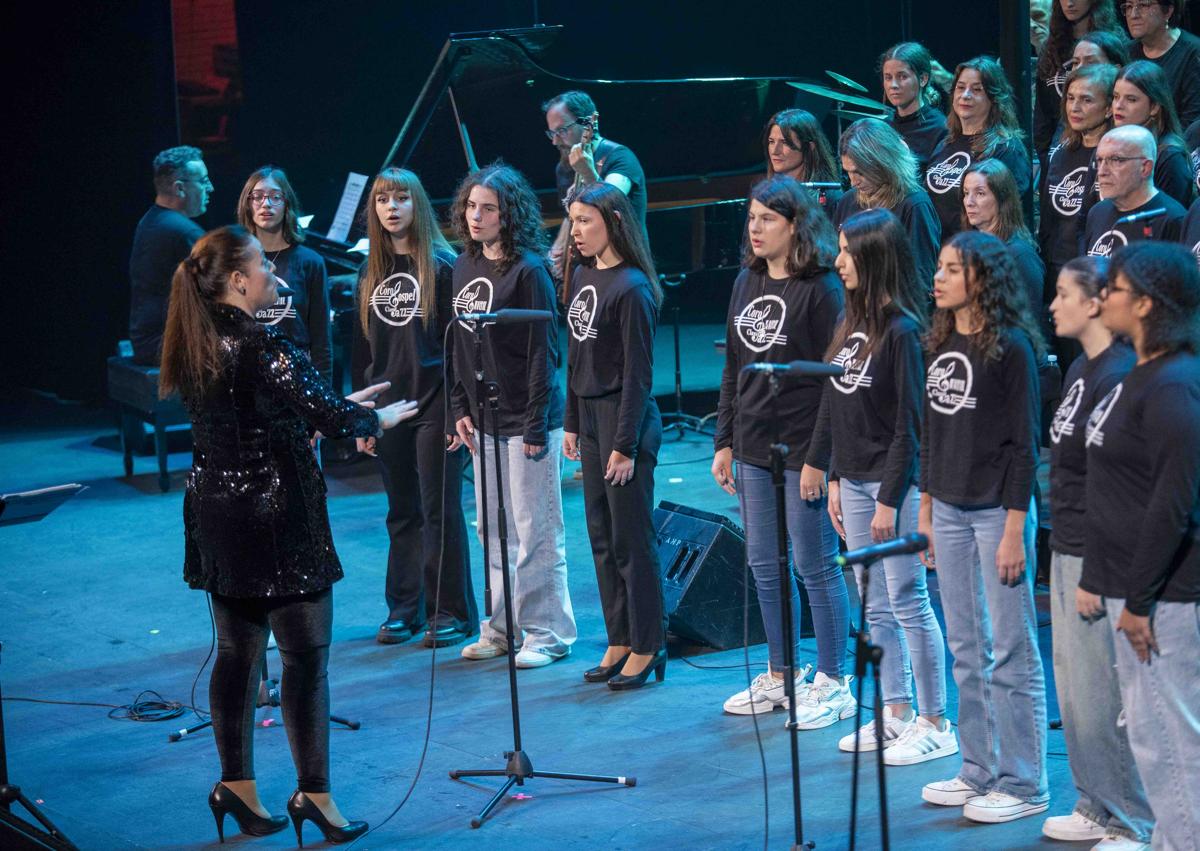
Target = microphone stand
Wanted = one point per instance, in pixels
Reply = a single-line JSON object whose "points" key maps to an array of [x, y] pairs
{"points": [[480, 394], [867, 655], [518, 767]]}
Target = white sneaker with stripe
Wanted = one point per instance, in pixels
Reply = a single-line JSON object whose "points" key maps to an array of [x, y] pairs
{"points": [[922, 742]]}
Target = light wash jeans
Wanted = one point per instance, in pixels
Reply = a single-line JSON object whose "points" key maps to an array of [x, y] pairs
{"points": [[813, 547], [992, 632], [899, 614], [1089, 703], [537, 547], [1162, 715]]}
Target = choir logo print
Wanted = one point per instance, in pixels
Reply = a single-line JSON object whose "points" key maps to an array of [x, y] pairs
{"points": [[760, 324], [282, 308], [1067, 194], [1057, 81], [582, 314], [1094, 434], [1108, 243], [397, 299], [475, 297], [1064, 417], [948, 384], [855, 375], [947, 174]]}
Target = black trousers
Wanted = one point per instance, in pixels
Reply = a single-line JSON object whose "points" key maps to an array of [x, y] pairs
{"points": [[621, 528], [303, 625], [420, 512]]}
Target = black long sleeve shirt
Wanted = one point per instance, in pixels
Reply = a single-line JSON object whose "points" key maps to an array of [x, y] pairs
{"points": [[1047, 103], [162, 240], [922, 131], [1143, 487], [304, 316], [869, 424], [1087, 382], [979, 439], [1032, 270], [1103, 235], [943, 178], [611, 321], [1068, 193], [919, 218], [1173, 173], [521, 358], [774, 321]]}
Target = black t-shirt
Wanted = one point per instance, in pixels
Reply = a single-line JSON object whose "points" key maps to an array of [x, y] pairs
{"points": [[922, 131], [1103, 236], [1181, 64], [774, 321], [1032, 271], [1191, 229], [611, 321], [920, 220], [521, 358], [869, 424], [943, 178], [980, 435], [1173, 173], [610, 158], [1047, 105], [1069, 191], [399, 345], [1143, 487], [303, 317], [1087, 382], [162, 240]]}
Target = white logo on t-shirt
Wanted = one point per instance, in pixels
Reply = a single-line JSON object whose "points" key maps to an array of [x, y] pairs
{"points": [[282, 309], [948, 383], [397, 299], [1057, 81], [581, 316], [855, 375], [475, 297], [760, 324], [947, 174], [1067, 194], [1093, 434], [1064, 418], [1106, 244], [1196, 251]]}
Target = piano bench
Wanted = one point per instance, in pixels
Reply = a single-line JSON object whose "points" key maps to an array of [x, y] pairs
{"points": [[135, 390]]}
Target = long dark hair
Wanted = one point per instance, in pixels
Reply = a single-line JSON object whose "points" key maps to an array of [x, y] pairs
{"points": [[292, 233], [1166, 274], [1101, 77], [191, 355], [887, 275], [920, 61], [1010, 218], [802, 132], [995, 291], [1111, 43], [520, 214], [625, 232], [1001, 125], [1101, 16], [1153, 83], [883, 157], [814, 245]]}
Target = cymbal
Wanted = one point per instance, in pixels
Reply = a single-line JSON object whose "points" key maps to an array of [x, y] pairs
{"points": [[854, 114], [841, 97], [846, 81]]}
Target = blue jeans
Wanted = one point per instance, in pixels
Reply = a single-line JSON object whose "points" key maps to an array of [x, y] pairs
{"points": [[1089, 702], [813, 548], [1162, 715], [537, 546], [992, 631], [899, 613]]}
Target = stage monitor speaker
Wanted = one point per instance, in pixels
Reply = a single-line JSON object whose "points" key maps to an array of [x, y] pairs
{"points": [[703, 563]]}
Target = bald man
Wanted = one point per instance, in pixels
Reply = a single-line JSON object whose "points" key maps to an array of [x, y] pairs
{"points": [[1125, 176]]}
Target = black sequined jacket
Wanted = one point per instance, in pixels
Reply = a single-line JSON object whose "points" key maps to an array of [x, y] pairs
{"points": [[254, 510]]}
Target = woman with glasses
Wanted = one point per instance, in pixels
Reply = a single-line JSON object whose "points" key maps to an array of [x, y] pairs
{"points": [[1141, 563], [1141, 96], [796, 147], [268, 208], [1155, 28], [906, 70]]}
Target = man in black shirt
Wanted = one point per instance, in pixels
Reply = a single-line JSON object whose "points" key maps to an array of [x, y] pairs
{"points": [[163, 238]]}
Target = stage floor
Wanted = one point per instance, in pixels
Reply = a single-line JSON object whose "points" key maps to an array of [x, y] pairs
{"points": [[93, 608]]}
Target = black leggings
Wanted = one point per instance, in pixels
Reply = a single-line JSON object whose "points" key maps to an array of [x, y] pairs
{"points": [[303, 626]]}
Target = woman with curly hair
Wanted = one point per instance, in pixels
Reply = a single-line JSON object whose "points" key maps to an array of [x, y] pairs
{"points": [[1142, 95], [498, 219], [979, 452], [906, 71], [982, 125], [795, 146]]}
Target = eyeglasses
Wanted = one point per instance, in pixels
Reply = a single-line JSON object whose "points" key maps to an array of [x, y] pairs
{"points": [[258, 198], [561, 131], [1114, 161], [1141, 8]]}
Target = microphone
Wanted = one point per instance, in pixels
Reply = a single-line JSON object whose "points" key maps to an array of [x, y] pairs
{"points": [[1137, 217], [820, 184], [507, 316], [913, 542], [797, 368]]}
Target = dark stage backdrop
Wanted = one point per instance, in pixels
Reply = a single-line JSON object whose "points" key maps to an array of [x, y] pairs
{"points": [[326, 88]]}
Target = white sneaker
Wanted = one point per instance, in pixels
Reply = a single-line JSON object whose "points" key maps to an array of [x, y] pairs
{"points": [[536, 657], [997, 807], [824, 702], [1073, 828], [922, 742], [482, 649], [765, 694], [1120, 843], [948, 793], [893, 727]]}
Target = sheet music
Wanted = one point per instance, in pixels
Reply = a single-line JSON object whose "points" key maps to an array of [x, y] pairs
{"points": [[344, 217]]}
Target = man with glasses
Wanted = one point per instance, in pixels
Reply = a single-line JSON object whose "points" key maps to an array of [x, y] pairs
{"points": [[163, 238], [1125, 176], [1154, 27], [568, 117]]}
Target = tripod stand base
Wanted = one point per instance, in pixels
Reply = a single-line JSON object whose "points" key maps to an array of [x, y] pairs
{"points": [[517, 770], [18, 834], [681, 424]]}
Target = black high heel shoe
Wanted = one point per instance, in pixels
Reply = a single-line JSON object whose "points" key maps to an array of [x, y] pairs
{"points": [[301, 808], [224, 801], [657, 664], [601, 673]]}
